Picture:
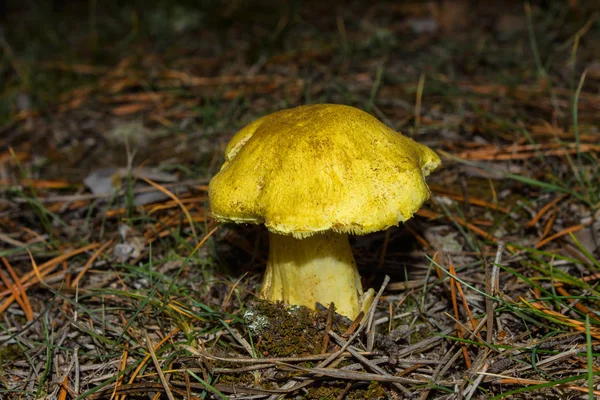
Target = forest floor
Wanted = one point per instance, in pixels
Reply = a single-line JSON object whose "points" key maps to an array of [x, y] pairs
{"points": [[116, 284]]}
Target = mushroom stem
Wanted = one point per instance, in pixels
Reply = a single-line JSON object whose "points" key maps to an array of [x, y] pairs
{"points": [[320, 268]]}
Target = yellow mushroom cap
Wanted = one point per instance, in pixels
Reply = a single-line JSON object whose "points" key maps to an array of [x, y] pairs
{"points": [[321, 167]]}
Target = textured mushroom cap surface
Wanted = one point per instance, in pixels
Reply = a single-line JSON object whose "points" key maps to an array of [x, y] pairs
{"points": [[321, 167]]}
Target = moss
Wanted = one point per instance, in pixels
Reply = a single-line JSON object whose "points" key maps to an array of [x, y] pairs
{"points": [[278, 330], [332, 390], [420, 333], [10, 352], [281, 331], [374, 391], [242, 379]]}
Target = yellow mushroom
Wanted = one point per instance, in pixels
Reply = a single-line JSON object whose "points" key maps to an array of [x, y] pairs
{"points": [[314, 174]]}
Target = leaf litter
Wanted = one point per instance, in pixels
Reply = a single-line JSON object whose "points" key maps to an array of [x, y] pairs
{"points": [[121, 286]]}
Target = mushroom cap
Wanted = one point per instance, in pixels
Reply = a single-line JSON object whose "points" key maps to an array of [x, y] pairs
{"points": [[321, 167]]}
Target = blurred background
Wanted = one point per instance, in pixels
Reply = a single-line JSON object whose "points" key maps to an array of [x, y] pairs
{"points": [[175, 80], [115, 114]]}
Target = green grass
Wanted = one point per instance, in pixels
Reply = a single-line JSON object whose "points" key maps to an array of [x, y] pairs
{"points": [[367, 58]]}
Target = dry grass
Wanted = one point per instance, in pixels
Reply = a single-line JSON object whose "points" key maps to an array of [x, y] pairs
{"points": [[491, 291]]}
